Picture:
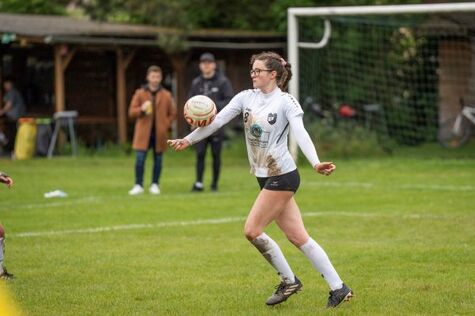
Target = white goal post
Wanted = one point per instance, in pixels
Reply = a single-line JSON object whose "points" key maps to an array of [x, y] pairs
{"points": [[293, 30]]}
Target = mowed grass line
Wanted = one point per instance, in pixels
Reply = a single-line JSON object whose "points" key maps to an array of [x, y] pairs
{"points": [[405, 245]]}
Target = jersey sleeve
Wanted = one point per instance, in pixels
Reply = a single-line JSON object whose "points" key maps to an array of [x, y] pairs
{"points": [[294, 115], [230, 111], [292, 106]]}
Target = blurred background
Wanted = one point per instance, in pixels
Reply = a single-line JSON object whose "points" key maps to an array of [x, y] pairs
{"points": [[396, 80]]}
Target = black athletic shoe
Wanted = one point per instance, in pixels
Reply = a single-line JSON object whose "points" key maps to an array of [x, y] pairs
{"points": [[339, 296], [214, 187], [5, 275], [283, 292], [196, 188]]}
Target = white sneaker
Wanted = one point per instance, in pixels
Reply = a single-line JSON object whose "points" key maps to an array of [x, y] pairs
{"points": [[154, 189], [136, 190]]}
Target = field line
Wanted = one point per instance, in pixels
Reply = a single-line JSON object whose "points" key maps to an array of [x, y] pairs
{"points": [[370, 185], [213, 221], [101, 229], [349, 184], [54, 203], [60, 202]]}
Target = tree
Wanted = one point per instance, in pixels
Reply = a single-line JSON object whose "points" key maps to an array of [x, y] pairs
{"points": [[54, 7], [184, 14]]}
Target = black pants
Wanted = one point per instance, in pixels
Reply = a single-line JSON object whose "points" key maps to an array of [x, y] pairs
{"points": [[9, 128], [216, 143]]}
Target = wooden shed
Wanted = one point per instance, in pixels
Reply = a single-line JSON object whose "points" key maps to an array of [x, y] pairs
{"points": [[455, 34], [60, 63]]}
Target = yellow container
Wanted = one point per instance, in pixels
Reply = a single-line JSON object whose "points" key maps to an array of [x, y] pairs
{"points": [[25, 141]]}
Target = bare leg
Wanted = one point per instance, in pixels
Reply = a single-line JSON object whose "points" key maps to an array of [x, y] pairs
{"points": [[268, 205], [291, 223]]}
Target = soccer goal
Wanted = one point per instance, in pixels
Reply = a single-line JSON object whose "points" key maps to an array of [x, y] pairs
{"points": [[396, 72]]}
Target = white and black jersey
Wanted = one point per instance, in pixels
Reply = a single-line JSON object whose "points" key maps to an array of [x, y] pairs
{"points": [[267, 120]]}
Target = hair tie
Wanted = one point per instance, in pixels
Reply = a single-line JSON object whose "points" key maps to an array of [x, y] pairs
{"points": [[283, 62]]}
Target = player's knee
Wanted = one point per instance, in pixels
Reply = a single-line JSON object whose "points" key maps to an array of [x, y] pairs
{"points": [[2, 231], [298, 239], [251, 233]]}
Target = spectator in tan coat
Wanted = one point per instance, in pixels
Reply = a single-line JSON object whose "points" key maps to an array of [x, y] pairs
{"points": [[154, 111]]}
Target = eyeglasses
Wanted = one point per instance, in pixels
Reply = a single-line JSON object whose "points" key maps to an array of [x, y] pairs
{"points": [[257, 71]]}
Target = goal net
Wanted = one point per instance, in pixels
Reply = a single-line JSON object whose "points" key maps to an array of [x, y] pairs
{"points": [[391, 74]]}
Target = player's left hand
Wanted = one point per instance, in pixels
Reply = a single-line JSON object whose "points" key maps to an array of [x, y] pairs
{"points": [[178, 144], [4, 178], [325, 168]]}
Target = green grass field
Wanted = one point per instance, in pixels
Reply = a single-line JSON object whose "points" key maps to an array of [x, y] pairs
{"points": [[399, 230]]}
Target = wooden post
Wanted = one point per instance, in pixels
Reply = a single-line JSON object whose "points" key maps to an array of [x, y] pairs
{"points": [[179, 65], [58, 79], [454, 75], [122, 64], [62, 58]]}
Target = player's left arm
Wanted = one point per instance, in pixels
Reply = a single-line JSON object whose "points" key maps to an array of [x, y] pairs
{"points": [[6, 179], [294, 115]]}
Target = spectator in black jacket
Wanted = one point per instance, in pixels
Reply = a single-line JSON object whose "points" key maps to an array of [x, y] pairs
{"points": [[216, 86]]}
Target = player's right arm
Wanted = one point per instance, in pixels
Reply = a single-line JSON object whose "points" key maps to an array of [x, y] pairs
{"points": [[229, 112]]}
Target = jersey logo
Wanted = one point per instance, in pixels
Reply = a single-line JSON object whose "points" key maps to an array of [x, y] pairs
{"points": [[272, 118], [256, 130]]}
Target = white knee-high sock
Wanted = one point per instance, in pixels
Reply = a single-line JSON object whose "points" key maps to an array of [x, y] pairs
{"points": [[322, 263], [271, 251]]}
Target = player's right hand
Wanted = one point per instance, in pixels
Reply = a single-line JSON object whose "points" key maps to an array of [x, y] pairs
{"points": [[178, 144], [4, 178]]}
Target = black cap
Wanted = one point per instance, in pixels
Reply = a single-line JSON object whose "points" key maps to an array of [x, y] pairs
{"points": [[207, 57]]}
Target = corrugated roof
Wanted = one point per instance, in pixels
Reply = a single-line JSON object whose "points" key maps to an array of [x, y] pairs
{"points": [[47, 25]]}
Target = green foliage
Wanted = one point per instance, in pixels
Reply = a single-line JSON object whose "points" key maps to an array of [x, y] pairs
{"points": [[186, 14], [160, 13], [347, 139], [376, 60], [53, 7], [173, 43]]}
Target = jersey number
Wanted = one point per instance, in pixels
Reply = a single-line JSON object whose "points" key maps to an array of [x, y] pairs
{"points": [[246, 116]]}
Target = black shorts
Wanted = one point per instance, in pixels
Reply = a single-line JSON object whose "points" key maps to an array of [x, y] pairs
{"points": [[285, 182]]}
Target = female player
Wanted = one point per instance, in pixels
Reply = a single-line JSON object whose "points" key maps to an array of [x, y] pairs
{"points": [[268, 113], [4, 178]]}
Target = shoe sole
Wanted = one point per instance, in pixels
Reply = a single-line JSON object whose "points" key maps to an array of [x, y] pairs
{"points": [[346, 299], [296, 291]]}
